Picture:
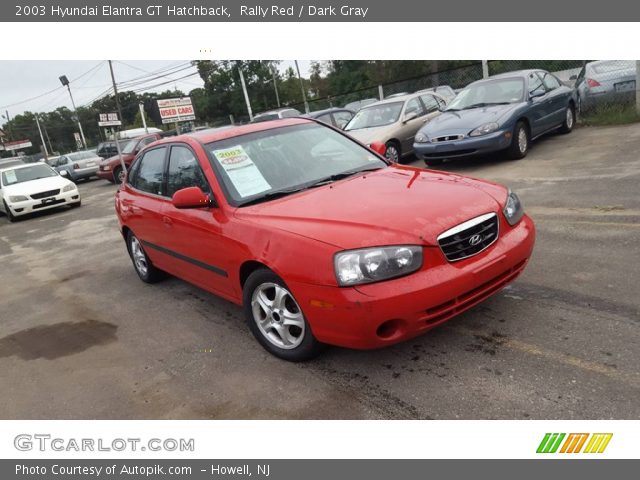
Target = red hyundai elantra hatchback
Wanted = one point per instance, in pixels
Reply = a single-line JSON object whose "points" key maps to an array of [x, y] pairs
{"points": [[320, 239]]}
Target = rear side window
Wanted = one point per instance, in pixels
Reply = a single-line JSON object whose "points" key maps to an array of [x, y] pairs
{"points": [[184, 171], [342, 118], [149, 173], [326, 118], [430, 103], [550, 82]]}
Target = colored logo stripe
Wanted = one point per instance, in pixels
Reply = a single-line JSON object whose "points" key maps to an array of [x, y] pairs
{"points": [[596, 443]]}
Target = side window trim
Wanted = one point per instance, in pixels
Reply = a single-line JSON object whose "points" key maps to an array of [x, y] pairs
{"points": [[165, 188]]}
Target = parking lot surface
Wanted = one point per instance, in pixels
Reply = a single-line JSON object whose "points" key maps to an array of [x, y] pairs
{"points": [[81, 337]]}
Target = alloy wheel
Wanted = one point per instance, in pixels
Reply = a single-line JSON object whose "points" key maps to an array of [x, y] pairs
{"points": [[278, 316], [139, 257]]}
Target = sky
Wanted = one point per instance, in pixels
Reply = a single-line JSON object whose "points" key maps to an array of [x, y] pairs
{"points": [[22, 81]]}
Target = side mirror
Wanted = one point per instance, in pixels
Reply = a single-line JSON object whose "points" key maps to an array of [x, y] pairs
{"points": [[410, 116], [537, 93], [191, 197], [379, 147], [64, 173]]}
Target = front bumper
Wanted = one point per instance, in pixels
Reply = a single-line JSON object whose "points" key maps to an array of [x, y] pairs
{"points": [[467, 146], [30, 206], [381, 314]]}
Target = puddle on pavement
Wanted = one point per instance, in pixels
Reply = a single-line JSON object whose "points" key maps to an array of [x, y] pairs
{"points": [[57, 340]]}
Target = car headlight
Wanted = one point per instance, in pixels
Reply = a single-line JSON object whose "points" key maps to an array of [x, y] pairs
{"points": [[106, 167], [485, 129], [69, 188], [421, 138], [513, 209], [367, 265], [17, 198]]}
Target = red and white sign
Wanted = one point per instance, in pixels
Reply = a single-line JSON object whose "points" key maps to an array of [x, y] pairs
{"points": [[176, 110], [18, 144]]}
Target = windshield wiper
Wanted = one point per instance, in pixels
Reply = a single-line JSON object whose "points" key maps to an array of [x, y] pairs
{"points": [[484, 104], [272, 196], [339, 176]]}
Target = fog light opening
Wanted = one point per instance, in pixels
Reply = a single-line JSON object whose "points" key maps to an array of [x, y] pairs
{"points": [[389, 329]]}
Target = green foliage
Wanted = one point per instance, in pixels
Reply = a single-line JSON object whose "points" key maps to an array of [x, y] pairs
{"points": [[612, 114]]}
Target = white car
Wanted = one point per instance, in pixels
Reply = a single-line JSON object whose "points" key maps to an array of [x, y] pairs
{"points": [[33, 187]]}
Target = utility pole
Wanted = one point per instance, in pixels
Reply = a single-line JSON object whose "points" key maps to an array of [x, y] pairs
{"points": [[485, 69], [275, 85], [65, 82], [246, 95], [44, 145], [13, 152], [115, 92], [144, 120], [304, 95]]}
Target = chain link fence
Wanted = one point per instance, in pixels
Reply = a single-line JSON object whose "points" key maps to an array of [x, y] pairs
{"points": [[604, 88]]}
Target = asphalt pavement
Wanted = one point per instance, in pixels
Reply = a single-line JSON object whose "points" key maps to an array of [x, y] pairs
{"points": [[81, 337]]}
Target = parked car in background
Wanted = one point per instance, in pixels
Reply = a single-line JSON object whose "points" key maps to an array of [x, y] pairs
{"points": [[108, 148], [394, 122], [276, 114], [270, 216], [504, 112], [34, 187], [357, 105], [605, 82], [10, 162], [444, 91], [338, 117], [111, 168], [78, 165], [395, 95], [137, 132]]}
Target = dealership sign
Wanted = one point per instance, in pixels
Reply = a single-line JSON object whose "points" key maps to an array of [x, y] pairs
{"points": [[108, 120], [17, 145], [176, 110]]}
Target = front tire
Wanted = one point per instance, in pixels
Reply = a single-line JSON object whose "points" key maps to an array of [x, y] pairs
{"points": [[519, 142], [569, 120], [10, 215], [275, 318], [141, 263], [118, 175]]}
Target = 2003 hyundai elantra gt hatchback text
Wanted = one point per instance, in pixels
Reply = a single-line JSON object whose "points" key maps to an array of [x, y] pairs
{"points": [[320, 239]]}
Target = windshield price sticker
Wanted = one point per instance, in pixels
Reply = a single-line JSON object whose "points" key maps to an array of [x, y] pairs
{"points": [[243, 173], [10, 176]]}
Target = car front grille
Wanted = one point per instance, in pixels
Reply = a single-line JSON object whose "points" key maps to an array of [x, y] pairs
{"points": [[469, 238], [49, 193], [447, 138]]}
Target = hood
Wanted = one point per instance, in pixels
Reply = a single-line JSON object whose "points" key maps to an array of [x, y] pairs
{"points": [[36, 186], [463, 121], [373, 134], [395, 205]]}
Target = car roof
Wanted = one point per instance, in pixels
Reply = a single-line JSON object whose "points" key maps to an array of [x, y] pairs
{"points": [[319, 113], [515, 73], [24, 165], [222, 133]]}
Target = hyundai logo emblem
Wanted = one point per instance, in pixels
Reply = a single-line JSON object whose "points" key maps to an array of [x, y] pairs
{"points": [[475, 239]]}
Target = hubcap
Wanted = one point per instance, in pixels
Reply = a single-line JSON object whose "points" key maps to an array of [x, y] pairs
{"points": [[278, 316], [392, 153], [569, 118], [139, 258], [522, 140], [121, 176]]}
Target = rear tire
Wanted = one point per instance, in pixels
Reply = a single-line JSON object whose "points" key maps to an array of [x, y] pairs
{"points": [[569, 120], [275, 318], [141, 263], [519, 142]]}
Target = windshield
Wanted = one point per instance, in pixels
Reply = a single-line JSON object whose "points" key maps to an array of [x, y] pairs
{"points": [[492, 92], [129, 147], [283, 160], [26, 174], [376, 116]]}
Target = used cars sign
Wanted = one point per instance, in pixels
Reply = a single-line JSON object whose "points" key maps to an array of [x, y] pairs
{"points": [[176, 110]]}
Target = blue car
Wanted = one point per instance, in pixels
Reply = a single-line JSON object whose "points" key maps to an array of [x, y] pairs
{"points": [[501, 113]]}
